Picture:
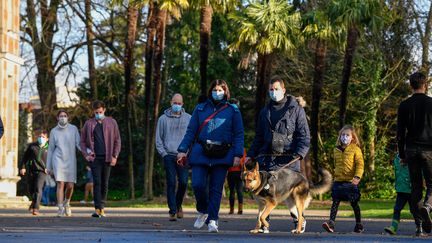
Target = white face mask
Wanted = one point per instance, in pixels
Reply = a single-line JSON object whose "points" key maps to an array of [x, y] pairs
{"points": [[276, 95], [345, 139], [63, 121]]}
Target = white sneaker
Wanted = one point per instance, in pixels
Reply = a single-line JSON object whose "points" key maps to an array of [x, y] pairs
{"points": [[83, 202], [67, 210], [200, 221], [213, 226], [61, 211]]}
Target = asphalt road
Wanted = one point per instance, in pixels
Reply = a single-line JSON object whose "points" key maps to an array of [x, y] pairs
{"points": [[152, 225]]}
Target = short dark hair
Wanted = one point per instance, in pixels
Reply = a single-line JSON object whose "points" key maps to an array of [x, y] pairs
{"points": [[40, 131], [277, 79], [417, 80], [98, 104], [62, 111], [221, 83]]}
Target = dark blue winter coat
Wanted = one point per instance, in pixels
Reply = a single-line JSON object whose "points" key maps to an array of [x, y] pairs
{"points": [[225, 127], [293, 124]]}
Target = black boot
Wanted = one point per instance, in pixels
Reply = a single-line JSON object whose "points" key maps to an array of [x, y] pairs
{"points": [[426, 219]]}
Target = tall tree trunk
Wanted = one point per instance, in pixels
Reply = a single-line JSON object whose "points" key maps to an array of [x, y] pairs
{"points": [[263, 75], [320, 55], [151, 33], [425, 41], [157, 80], [42, 44], [205, 32], [130, 87], [90, 49], [352, 37]]}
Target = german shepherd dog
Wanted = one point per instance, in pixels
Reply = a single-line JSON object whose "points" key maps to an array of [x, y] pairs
{"points": [[283, 185]]}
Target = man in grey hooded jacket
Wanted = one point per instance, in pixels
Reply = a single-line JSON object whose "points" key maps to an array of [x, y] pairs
{"points": [[171, 128]]}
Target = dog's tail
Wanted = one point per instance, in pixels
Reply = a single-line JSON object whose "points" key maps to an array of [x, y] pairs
{"points": [[324, 184]]}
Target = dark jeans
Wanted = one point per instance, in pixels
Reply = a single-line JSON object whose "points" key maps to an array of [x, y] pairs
{"points": [[420, 167], [48, 195], [345, 191], [235, 184], [36, 182], [401, 200], [207, 183], [172, 170], [101, 173]]}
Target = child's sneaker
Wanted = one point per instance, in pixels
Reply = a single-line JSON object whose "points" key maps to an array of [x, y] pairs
{"points": [[329, 226], [358, 228], [390, 229]]}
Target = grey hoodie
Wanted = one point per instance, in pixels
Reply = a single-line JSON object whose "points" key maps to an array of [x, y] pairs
{"points": [[170, 131]]}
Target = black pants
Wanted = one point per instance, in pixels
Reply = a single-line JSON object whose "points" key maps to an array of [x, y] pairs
{"points": [[235, 184], [101, 173], [36, 182], [420, 167], [345, 191], [401, 200]]}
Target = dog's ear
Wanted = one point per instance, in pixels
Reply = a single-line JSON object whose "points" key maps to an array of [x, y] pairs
{"points": [[256, 167]]}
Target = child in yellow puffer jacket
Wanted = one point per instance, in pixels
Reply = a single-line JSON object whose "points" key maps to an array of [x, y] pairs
{"points": [[349, 166]]}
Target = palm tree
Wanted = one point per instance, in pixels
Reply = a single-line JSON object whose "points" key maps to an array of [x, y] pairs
{"points": [[265, 28], [318, 29], [353, 15], [206, 8], [162, 11]]}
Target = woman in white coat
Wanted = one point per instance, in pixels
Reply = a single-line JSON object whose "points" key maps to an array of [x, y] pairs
{"points": [[61, 160]]}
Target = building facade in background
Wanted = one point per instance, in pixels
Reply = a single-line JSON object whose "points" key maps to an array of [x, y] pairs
{"points": [[10, 63]]}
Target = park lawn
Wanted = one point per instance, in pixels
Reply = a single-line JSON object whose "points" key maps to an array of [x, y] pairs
{"points": [[369, 208]]}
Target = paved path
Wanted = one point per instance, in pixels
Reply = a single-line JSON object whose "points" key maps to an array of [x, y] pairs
{"points": [[151, 225]]}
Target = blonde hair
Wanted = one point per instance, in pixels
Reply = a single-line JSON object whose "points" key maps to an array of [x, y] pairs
{"points": [[355, 138]]}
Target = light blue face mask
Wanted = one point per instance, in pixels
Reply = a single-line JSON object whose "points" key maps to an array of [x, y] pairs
{"points": [[41, 140], [276, 95], [176, 108], [99, 116], [218, 95]]}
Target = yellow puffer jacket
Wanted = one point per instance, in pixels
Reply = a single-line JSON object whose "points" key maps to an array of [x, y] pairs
{"points": [[348, 163]]}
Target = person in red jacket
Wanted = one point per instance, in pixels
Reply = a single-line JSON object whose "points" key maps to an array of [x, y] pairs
{"points": [[235, 184]]}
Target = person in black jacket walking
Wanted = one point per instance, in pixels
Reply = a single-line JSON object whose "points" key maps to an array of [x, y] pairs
{"points": [[414, 135], [33, 164]]}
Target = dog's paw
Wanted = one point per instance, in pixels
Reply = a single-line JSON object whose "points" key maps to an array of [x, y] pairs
{"points": [[254, 231], [294, 231]]}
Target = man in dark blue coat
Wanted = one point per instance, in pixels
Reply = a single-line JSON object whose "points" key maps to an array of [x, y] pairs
{"points": [[282, 133]]}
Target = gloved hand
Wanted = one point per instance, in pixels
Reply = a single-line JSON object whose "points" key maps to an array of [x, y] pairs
{"points": [[292, 157]]}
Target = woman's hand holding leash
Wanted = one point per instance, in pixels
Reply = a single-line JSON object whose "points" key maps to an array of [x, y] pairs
{"points": [[236, 161], [181, 159]]}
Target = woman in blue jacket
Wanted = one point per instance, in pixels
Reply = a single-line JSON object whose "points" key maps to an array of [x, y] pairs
{"points": [[215, 145]]}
